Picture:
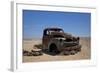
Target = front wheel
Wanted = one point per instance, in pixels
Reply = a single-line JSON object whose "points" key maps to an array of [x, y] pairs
{"points": [[53, 49]]}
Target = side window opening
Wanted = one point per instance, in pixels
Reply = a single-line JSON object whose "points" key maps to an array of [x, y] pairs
{"points": [[46, 32]]}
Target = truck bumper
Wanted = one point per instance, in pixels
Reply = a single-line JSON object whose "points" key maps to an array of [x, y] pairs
{"points": [[75, 48]]}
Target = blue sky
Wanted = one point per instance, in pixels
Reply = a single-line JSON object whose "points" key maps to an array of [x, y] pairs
{"points": [[78, 24]]}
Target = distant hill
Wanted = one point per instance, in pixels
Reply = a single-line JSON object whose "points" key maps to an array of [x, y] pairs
{"points": [[32, 39]]}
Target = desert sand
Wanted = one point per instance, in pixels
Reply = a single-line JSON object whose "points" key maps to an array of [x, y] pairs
{"points": [[84, 54]]}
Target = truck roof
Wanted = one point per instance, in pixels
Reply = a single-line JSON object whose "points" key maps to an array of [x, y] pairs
{"points": [[52, 29]]}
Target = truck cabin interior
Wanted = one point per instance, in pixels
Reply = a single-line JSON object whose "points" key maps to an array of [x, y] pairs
{"points": [[50, 30]]}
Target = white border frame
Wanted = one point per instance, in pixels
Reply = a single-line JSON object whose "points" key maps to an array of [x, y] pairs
{"points": [[16, 51]]}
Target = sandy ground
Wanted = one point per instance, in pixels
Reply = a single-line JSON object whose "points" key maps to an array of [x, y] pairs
{"points": [[84, 54]]}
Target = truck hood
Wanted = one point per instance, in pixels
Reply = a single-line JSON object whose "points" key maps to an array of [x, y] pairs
{"points": [[64, 35]]}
